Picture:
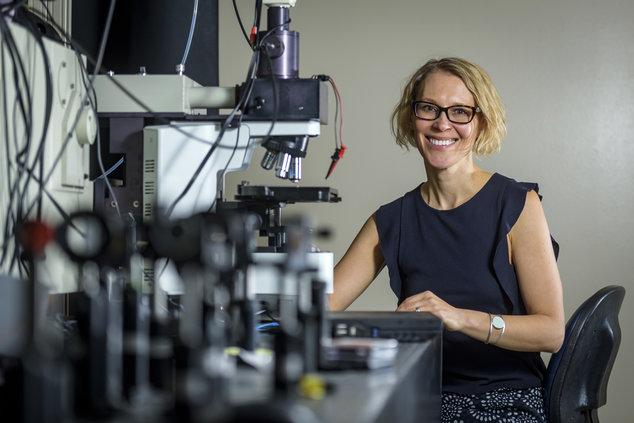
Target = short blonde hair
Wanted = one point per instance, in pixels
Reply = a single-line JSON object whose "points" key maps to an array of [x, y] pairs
{"points": [[492, 118]]}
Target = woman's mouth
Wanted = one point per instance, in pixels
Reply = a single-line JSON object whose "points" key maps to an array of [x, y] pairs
{"points": [[441, 143]]}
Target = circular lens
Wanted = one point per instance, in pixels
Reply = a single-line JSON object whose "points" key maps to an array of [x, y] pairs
{"points": [[84, 236]]}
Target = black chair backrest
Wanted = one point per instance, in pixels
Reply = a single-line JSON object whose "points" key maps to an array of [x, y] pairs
{"points": [[577, 375]]}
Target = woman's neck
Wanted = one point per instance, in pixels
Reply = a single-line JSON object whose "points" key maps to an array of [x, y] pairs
{"points": [[447, 189]]}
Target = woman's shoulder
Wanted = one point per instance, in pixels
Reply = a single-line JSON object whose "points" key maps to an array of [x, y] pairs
{"points": [[512, 187], [408, 196], [392, 211]]}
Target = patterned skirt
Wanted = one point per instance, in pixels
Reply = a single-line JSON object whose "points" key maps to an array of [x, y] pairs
{"points": [[505, 405]]}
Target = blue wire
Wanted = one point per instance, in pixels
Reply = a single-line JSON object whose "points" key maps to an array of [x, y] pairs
{"points": [[267, 325], [109, 171], [191, 32]]}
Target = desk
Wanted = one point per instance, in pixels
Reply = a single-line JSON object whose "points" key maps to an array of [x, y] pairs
{"points": [[409, 391]]}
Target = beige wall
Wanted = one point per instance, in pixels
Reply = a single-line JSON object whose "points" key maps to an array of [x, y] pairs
{"points": [[565, 70]]}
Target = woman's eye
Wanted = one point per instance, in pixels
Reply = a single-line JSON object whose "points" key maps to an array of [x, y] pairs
{"points": [[460, 112]]}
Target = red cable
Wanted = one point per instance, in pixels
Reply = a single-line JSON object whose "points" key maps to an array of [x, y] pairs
{"points": [[339, 149], [332, 81]]}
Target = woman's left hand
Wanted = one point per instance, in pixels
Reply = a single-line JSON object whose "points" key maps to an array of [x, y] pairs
{"points": [[429, 302]]}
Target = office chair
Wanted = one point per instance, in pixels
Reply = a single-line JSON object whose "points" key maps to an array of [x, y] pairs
{"points": [[577, 375]]}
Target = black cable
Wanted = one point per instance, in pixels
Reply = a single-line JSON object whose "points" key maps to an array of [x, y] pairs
{"points": [[161, 119], [262, 45], [275, 93], [104, 39], [10, 7], [256, 21], [21, 82], [7, 151], [221, 178], [267, 310], [39, 155], [102, 50], [89, 88], [255, 58], [97, 65], [275, 110], [253, 66], [244, 32], [16, 192], [227, 122], [165, 121], [265, 139], [83, 74], [243, 100], [160, 273], [223, 128], [59, 208], [79, 50], [22, 107]]}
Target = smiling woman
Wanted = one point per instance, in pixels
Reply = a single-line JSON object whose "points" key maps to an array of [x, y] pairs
{"points": [[469, 246], [481, 89], [441, 140]]}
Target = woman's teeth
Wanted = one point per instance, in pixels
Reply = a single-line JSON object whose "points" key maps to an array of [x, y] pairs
{"points": [[441, 142]]}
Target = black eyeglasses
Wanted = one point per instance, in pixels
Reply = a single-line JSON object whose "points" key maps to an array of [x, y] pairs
{"points": [[456, 114]]}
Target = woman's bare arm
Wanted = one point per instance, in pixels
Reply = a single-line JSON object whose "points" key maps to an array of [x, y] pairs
{"points": [[358, 267], [543, 326]]}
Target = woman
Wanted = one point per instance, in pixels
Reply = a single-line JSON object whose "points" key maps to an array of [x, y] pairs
{"points": [[471, 247]]}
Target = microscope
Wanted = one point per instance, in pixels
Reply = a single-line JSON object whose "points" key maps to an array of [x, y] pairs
{"points": [[181, 170], [168, 271], [180, 166]]}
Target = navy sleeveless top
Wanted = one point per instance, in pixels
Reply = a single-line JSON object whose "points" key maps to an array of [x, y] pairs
{"points": [[462, 256]]}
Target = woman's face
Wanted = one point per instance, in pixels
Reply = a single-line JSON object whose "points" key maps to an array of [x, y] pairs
{"points": [[442, 143]]}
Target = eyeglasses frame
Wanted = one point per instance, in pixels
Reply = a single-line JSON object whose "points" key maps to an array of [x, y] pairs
{"points": [[446, 110]]}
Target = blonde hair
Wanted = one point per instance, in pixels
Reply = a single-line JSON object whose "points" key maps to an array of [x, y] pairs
{"points": [[477, 81]]}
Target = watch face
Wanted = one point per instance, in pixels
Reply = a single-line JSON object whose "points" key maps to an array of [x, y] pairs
{"points": [[498, 322]]}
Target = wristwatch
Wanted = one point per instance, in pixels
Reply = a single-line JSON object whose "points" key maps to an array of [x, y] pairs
{"points": [[498, 323]]}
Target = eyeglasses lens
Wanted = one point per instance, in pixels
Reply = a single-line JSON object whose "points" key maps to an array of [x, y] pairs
{"points": [[456, 114]]}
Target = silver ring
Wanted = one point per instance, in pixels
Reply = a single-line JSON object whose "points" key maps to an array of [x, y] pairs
{"points": [[417, 309]]}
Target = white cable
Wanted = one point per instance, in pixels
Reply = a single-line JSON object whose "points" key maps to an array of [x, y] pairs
{"points": [[191, 33]]}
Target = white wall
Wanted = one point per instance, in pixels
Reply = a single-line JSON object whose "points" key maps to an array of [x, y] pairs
{"points": [[565, 70]]}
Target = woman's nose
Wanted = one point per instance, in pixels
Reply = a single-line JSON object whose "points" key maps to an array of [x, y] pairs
{"points": [[442, 122]]}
